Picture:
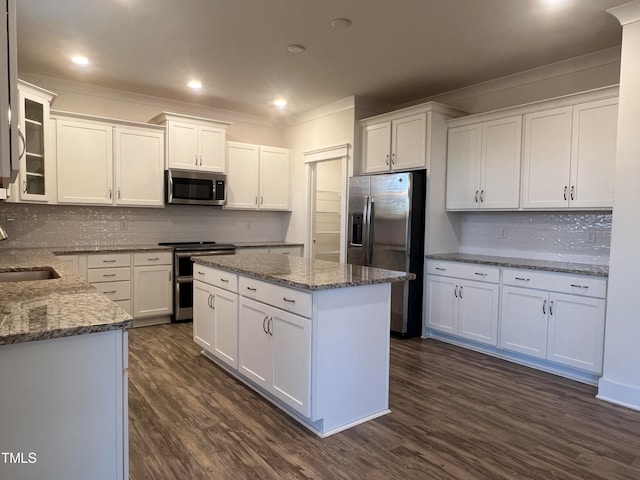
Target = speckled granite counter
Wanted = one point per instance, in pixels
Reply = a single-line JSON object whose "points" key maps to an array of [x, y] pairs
{"points": [[510, 262], [266, 244], [301, 272], [107, 249], [59, 307]]}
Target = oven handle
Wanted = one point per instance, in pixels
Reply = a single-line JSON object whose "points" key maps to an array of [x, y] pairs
{"points": [[184, 279], [204, 253]]}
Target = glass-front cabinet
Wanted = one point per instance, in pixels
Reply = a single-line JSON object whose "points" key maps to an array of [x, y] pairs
{"points": [[37, 171]]}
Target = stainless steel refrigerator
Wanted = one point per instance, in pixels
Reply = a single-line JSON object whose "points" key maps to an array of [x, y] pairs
{"points": [[386, 230]]}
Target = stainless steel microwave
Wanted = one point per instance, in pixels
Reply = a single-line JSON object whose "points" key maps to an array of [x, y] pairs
{"points": [[195, 188]]}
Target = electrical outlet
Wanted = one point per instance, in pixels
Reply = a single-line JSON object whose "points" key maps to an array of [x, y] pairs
{"points": [[591, 236], [504, 233]]}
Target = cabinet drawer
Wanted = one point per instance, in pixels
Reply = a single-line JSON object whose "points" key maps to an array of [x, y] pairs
{"points": [[153, 258], [469, 271], [109, 260], [583, 285], [295, 301], [109, 274], [219, 278], [115, 290]]}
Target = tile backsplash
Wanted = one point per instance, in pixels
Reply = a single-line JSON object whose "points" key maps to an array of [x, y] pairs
{"points": [[576, 237], [62, 225]]}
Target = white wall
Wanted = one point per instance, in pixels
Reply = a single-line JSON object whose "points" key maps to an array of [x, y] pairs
{"points": [[331, 125], [620, 382]]}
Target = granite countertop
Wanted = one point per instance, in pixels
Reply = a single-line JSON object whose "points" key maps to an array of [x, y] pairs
{"points": [[511, 262], [303, 273], [59, 307], [74, 250]]}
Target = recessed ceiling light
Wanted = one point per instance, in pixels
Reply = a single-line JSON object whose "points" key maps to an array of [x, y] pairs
{"points": [[554, 3], [80, 60], [296, 48], [280, 102], [195, 84], [341, 23]]}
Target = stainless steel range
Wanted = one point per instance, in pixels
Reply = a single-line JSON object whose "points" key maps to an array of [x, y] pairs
{"points": [[183, 272]]}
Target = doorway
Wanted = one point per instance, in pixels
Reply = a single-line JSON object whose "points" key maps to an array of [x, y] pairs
{"points": [[326, 219]]}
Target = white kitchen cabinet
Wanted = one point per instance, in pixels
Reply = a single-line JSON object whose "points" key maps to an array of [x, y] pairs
{"points": [[215, 314], [483, 164], [36, 178], [258, 177], [402, 139], [152, 285], [557, 317], [84, 153], [110, 273], [460, 305], [569, 156], [139, 166], [104, 163], [194, 143], [294, 251], [398, 144]]}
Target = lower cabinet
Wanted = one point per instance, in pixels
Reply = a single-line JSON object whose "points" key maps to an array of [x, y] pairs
{"points": [[294, 251], [275, 352], [565, 326], [459, 306], [152, 284]]}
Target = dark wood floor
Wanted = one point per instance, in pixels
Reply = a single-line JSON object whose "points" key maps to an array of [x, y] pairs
{"points": [[456, 414]]}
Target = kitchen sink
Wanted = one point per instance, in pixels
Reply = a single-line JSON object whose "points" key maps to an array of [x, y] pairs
{"points": [[28, 275]]}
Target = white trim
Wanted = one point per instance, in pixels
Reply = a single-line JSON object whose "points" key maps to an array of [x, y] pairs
{"points": [[343, 104], [56, 114], [619, 393], [327, 153], [626, 13], [167, 116]]}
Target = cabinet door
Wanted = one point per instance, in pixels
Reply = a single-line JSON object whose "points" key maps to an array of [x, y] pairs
{"points": [[593, 154], [442, 303], [576, 331], [139, 162], [478, 311], [274, 178], [500, 165], [547, 158], [376, 148], [292, 360], [463, 168], [409, 142], [36, 176], [255, 348], [203, 327], [225, 337], [242, 176], [524, 321], [182, 143], [152, 290], [85, 162], [211, 149]]}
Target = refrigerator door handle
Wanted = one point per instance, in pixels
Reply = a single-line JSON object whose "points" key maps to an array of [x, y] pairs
{"points": [[366, 225], [369, 230]]}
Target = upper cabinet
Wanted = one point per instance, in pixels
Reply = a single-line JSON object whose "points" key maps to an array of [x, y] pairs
{"points": [[258, 177], [569, 156], [100, 162], [566, 146], [398, 140], [36, 178], [483, 167], [194, 143]]}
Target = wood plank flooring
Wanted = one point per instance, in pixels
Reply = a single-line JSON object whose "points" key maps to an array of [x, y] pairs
{"points": [[456, 414]]}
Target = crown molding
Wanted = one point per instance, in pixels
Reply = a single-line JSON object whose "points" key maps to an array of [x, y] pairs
{"points": [[626, 13]]}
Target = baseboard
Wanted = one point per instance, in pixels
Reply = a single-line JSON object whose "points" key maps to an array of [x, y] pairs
{"points": [[619, 393]]}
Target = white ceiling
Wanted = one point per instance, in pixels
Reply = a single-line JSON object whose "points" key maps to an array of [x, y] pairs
{"points": [[396, 51]]}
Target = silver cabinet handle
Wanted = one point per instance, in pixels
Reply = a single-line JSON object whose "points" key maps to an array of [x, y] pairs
{"points": [[196, 160], [480, 274], [209, 300], [24, 183], [544, 307], [264, 328], [224, 280], [270, 326], [170, 276], [481, 196], [119, 195], [108, 261], [460, 291], [441, 269], [256, 199], [153, 259], [455, 291], [393, 156], [551, 307], [579, 286], [110, 291], [261, 199], [565, 192], [251, 289], [200, 273], [110, 192], [573, 192], [476, 196], [386, 159], [522, 279], [288, 300], [108, 274], [24, 144]]}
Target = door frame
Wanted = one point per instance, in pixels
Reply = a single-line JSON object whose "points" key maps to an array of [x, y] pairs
{"points": [[311, 159]]}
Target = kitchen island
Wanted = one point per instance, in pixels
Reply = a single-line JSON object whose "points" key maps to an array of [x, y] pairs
{"points": [[310, 336], [63, 361]]}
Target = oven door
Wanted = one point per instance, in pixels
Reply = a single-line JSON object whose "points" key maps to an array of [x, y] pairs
{"points": [[183, 299]]}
